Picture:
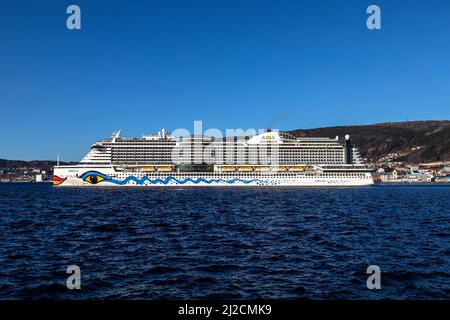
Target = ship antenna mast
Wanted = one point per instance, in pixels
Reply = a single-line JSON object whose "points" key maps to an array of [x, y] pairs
{"points": [[116, 135]]}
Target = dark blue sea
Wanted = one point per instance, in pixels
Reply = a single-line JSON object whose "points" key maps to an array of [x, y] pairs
{"points": [[230, 243]]}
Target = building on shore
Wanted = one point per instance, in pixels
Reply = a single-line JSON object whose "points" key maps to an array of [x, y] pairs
{"points": [[415, 177]]}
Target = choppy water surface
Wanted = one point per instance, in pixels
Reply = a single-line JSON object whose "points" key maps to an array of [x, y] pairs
{"points": [[234, 243]]}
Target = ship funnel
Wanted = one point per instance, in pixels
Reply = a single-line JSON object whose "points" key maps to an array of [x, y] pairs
{"points": [[348, 150]]}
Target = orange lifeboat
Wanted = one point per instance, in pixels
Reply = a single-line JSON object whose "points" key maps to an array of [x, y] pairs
{"points": [[147, 169], [228, 168], [296, 168], [165, 168], [245, 168]]}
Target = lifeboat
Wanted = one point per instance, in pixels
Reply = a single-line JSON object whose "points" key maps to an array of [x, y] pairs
{"points": [[262, 168], [296, 168], [165, 168], [228, 168], [279, 169], [245, 168], [147, 169]]}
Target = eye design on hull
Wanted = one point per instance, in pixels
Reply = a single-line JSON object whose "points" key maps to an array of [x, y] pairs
{"points": [[94, 177]]}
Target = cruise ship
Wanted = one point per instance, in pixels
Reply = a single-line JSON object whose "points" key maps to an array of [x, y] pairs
{"points": [[270, 158]]}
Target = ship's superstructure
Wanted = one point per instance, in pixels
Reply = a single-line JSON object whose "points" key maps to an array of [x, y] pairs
{"points": [[268, 159]]}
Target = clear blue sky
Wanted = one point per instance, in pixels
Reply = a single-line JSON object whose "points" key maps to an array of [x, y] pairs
{"points": [[144, 65]]}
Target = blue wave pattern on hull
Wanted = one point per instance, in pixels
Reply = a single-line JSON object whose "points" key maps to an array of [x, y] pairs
{"points": [[178, 181], [141, 181]]}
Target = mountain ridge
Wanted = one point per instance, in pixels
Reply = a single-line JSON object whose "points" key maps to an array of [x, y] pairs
{"points": [[418, 141]]}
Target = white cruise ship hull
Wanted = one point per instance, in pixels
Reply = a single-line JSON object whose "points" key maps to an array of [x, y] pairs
{"points": [[109, 177]]}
